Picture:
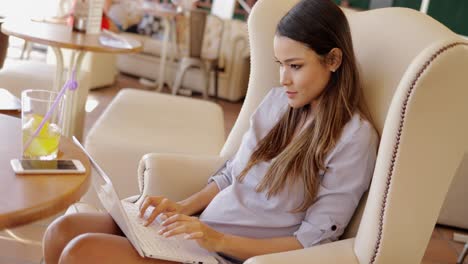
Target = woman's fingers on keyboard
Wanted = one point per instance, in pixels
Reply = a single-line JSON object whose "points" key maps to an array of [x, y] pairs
{"points": [[165, 230], [169, 214], [159, 208], [160, 205], [149, 200], [175, 218], [182, 227], [194, 235]]}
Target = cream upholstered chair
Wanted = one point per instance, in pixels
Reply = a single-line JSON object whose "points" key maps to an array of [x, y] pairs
{"points": [[414, 78]]}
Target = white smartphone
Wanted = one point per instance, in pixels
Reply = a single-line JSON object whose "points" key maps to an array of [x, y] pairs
{"points": [[25, 166]]}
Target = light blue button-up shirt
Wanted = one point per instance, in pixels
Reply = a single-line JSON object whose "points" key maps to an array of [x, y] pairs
{"points": [[238, 209]]}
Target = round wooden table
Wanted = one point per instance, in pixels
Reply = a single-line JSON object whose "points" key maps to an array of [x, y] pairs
{"points": [[27, 198], [60, 36]]}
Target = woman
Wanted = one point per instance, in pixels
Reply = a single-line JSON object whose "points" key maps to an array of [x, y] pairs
{"points": [[297, 177]]}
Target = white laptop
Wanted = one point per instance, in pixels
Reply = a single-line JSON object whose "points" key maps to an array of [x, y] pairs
{"points": [[144, 239]]}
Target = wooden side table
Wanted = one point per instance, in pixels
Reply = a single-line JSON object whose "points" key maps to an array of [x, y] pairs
{"points": [[27, 198]]}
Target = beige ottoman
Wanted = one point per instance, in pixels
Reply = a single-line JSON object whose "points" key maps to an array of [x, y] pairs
{"points": [[139, 122]]}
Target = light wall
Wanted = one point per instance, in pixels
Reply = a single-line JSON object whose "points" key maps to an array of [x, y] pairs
{"points": [[28, 8]]}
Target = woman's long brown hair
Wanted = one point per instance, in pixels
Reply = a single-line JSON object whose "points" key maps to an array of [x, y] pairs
{"points": [[321, 26]]}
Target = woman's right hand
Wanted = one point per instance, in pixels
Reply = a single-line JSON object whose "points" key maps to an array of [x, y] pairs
{"points": [[161, 205]]}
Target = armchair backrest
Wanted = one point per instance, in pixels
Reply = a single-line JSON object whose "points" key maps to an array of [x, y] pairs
{"points": [[413, 71]]}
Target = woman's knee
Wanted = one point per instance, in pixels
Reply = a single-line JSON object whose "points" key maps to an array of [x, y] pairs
{"points": [[57, 235], [80, 249], [69, 226], [61, 230]]}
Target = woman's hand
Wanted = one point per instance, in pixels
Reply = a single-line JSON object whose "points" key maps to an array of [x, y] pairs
{"points": [[161, 205], [205, 236]]}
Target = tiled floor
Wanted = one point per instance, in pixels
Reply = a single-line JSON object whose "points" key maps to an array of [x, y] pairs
{"points": [[441, 249]]}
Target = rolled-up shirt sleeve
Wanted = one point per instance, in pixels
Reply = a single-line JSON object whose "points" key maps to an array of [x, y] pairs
{"points": [[346, 178], [222, 177]]}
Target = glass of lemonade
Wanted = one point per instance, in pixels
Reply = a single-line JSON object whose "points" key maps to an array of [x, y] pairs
{"points": [[44, 144]]}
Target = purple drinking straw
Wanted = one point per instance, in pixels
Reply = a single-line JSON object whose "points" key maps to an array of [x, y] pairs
{"points": [[71, 84]]}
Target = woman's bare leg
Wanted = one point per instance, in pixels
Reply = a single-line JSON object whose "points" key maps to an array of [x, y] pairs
{"points": [[94, 248], [67, 227]]}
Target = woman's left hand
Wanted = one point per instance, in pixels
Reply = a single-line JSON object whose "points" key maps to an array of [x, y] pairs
{"points": [[205, 236]]}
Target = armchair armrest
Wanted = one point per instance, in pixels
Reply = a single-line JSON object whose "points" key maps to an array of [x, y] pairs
{"points": [[331, 253], [175, 176]]}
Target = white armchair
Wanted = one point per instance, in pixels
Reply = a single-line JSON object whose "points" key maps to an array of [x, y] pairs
{"points": [[414, 77]]}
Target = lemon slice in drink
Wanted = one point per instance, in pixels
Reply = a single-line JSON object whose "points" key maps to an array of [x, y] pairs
{"points": [[47, 140], [36, 121]]}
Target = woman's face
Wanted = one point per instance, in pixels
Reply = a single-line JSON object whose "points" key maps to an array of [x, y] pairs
{"points": [[303, 73]]}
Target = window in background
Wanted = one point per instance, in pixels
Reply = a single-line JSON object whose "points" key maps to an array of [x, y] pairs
{"points": [[452, 13], [414, 4]]}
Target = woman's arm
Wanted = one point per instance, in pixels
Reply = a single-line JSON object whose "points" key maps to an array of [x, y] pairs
{"points": [[192, 205], [244, 248], [212, 240], [189, 206], [200, 200]]}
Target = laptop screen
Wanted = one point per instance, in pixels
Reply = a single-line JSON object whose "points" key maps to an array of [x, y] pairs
{"points": [[100, 181], [108, 196]]}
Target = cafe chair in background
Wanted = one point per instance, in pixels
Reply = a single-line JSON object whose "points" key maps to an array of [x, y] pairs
{"points": [[414, 77], [204, 42]]}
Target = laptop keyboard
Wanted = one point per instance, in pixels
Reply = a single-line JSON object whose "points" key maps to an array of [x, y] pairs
{"points": [[156, 245]]}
